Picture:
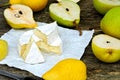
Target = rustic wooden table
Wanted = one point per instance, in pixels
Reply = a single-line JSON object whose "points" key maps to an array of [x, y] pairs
{"points": [[90, 19]]}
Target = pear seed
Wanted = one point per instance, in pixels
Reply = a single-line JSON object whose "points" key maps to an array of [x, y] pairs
{"points": [[67, 9], [107, 41], [17, 16], [20, 12]]}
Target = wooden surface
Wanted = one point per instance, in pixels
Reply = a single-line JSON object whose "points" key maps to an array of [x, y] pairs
{"points": [[90, 19]]}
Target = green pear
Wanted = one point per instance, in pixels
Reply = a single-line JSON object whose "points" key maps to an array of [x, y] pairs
{"points": [[103, 6], [110, 24], [19, 16], [65, 12], [106, 48], [71, 0]]}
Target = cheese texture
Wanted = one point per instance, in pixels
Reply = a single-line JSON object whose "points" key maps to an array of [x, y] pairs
{"points": [[33, 44]]}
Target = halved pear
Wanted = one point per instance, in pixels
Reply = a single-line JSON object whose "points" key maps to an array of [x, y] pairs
{"points": [[19, 16], [71, 0], [65, 12], [106, 48], [102, 6]]}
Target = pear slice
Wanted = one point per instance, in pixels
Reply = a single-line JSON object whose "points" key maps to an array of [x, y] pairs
{"points": [[102, 6], [19, 16], [106, 48], [65, 12]]}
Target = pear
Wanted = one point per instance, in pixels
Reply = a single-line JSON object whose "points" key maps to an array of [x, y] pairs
{"points": [[19, 16], [35, 5], [67, 69], [65, 12], [3, 49], [106, 48], [103, 6], [14, 1], [71, 0], [110, 23]]}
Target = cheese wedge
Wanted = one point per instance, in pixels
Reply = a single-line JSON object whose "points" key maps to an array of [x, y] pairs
{"points": [[51, 39], [32, 53], [33, 44]]}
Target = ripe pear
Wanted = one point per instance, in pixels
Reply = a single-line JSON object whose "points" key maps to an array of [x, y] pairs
{"points": [[106, 48], [3, 49], [15, 1], [20, 16], [65, 12], [71, 0], [67, 69], [103, 6], [35, 5], [110, 24]]}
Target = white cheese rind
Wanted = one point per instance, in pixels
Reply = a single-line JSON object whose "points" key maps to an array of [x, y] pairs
{"points": [[51, 31], [34, 55]]}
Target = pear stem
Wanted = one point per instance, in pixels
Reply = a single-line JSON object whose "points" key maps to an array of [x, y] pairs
{"points": [[79, 29], [5, 4]]}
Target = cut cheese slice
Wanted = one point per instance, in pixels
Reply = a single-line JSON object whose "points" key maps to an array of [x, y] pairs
{"points": [[53, 42], [24, 40], [32, 53]]}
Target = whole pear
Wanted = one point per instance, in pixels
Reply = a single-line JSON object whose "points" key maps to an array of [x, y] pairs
{"points": [[15, 1], [110, 23], [3, 49], [67, 69], [35, 5]]}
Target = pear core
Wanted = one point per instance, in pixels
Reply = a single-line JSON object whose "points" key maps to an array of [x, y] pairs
{"points": [[19, 16], [106, 41]]}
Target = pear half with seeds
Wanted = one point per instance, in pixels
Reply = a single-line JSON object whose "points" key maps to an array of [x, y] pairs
{"points": [[71, 0], [19, 16], [106, 48], [65, 12]]}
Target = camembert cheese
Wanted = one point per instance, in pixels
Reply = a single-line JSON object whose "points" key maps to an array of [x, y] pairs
{"points": [[43, 39]]}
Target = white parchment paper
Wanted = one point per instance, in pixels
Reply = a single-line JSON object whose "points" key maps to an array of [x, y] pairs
{"points": [[73, 47]]}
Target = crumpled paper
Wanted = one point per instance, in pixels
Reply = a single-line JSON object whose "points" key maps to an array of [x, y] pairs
{"points": [[73, 47]]}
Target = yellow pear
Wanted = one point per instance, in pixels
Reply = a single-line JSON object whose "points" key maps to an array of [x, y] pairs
{"points": [[35, 5], [20, 16], [67, 69], [3, 49], [15, 1], [106, 48]]}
